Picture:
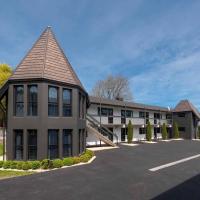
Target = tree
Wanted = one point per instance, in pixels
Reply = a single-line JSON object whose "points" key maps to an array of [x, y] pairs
{"points": [[113, 87], [164, 132], [148, 132], [5, 73], [130, 132], [176, 131]]}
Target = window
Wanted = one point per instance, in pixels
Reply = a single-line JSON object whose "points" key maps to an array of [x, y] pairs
{"points": [[19, 100], [105, 111], [168, 116], [110, 120], [142, 131], [79, 105], [52, 144], [83, 107], [129, 113], [67, 142], [155, 121], [181, 129], [53, 101], [156, 115], [67, 103], [141, 114], [32, 100], [181, 114], [18, 144], [147, 121], [157, 130], [32, 144], [147, 114]]}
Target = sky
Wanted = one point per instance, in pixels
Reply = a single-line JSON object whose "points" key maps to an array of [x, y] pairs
{"points": [[155, 44]]}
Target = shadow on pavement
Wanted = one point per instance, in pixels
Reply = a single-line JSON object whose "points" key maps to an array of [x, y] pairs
{"points": [[189, 189]]}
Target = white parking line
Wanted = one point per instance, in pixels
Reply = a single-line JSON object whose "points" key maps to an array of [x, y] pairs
{"points": [[174, 163]]}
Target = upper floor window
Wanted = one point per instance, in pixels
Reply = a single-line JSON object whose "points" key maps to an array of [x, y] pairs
{"points": [[156, 115], [141, 114], [105, 111], [53, 101], [181, 114], [67, 102], [19, 100], [128, 113], [32, 100]]}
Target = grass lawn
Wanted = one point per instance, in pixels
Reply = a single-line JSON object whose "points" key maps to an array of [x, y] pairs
{"points": [[8, 174], [1, 149]]}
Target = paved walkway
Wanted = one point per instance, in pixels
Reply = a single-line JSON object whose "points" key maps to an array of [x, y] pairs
{"points": [[118, 174]]}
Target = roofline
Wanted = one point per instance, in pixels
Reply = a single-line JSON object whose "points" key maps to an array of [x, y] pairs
{"points": [[145, 107]]}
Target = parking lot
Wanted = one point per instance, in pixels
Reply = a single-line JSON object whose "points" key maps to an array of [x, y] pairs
{"points": [[121, 173]]}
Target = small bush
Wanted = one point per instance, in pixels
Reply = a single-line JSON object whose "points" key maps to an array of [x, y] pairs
{"points": [[57, 163], [7, 164], [19, 164], [85, 157], [89, 152], [68, 161], [26, 166], [76, 160], [164, 132], [46, 164], [176, 131], [35, 164], [1, 163], [13, 165], [148, 132], [130, 132]]}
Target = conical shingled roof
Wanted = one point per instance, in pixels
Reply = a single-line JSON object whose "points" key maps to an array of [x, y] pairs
{"points": [[46, 60], [185, 106]]}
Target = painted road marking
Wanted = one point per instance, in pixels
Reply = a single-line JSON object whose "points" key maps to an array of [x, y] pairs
{"points": [[174, 163]]}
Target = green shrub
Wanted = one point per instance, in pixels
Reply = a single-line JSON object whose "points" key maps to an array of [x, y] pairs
{"points": [[6, 164], [35, 164], [176, 131], [76, 160], [85, 157], [46, 164], [1, 163], [19, 164], [57, 163], [148, 132], [89, 152], [26, 166], [130, 132], [164, 132], [68, 161], [13, 164]]}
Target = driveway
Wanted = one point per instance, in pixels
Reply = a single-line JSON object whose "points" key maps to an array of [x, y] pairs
{"points": [[120, 174]]}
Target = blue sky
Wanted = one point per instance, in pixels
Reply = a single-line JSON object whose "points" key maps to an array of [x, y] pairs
{"points": [[156, 44]]}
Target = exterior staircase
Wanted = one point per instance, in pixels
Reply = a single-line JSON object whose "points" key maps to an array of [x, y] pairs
{"points": [[101, 132]]}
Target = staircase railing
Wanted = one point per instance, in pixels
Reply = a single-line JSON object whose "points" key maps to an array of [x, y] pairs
{"points": [[103, 130]]}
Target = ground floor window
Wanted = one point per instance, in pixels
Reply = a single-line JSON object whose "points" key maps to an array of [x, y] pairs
{"points": [[181, 129], [53, 143], [18, 140], [32, 144], [142, 131], [124, 132], [67, 142]]}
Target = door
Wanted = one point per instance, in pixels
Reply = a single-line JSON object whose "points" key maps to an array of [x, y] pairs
{"points": [[123, 134]]}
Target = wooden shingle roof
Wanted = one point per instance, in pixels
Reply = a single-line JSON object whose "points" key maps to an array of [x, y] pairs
{"points": [[46, 60], [186, 106]]}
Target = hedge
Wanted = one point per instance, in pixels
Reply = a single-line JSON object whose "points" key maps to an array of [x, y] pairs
{"points": [[46, 163]]}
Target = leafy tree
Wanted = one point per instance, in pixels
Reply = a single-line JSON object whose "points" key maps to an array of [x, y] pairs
{"points": [[130, 132], [164, 132], [176, 131], [149, 132], [5, 73]]}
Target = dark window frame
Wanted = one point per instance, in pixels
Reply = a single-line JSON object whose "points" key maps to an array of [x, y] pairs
{"points": [[67, 107], [18, 147], [31, 104], [181, 114], [181, 129], [17, 102], [67, 147], [53, 106], [142, 131], [54, 147], [32, 147]]}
